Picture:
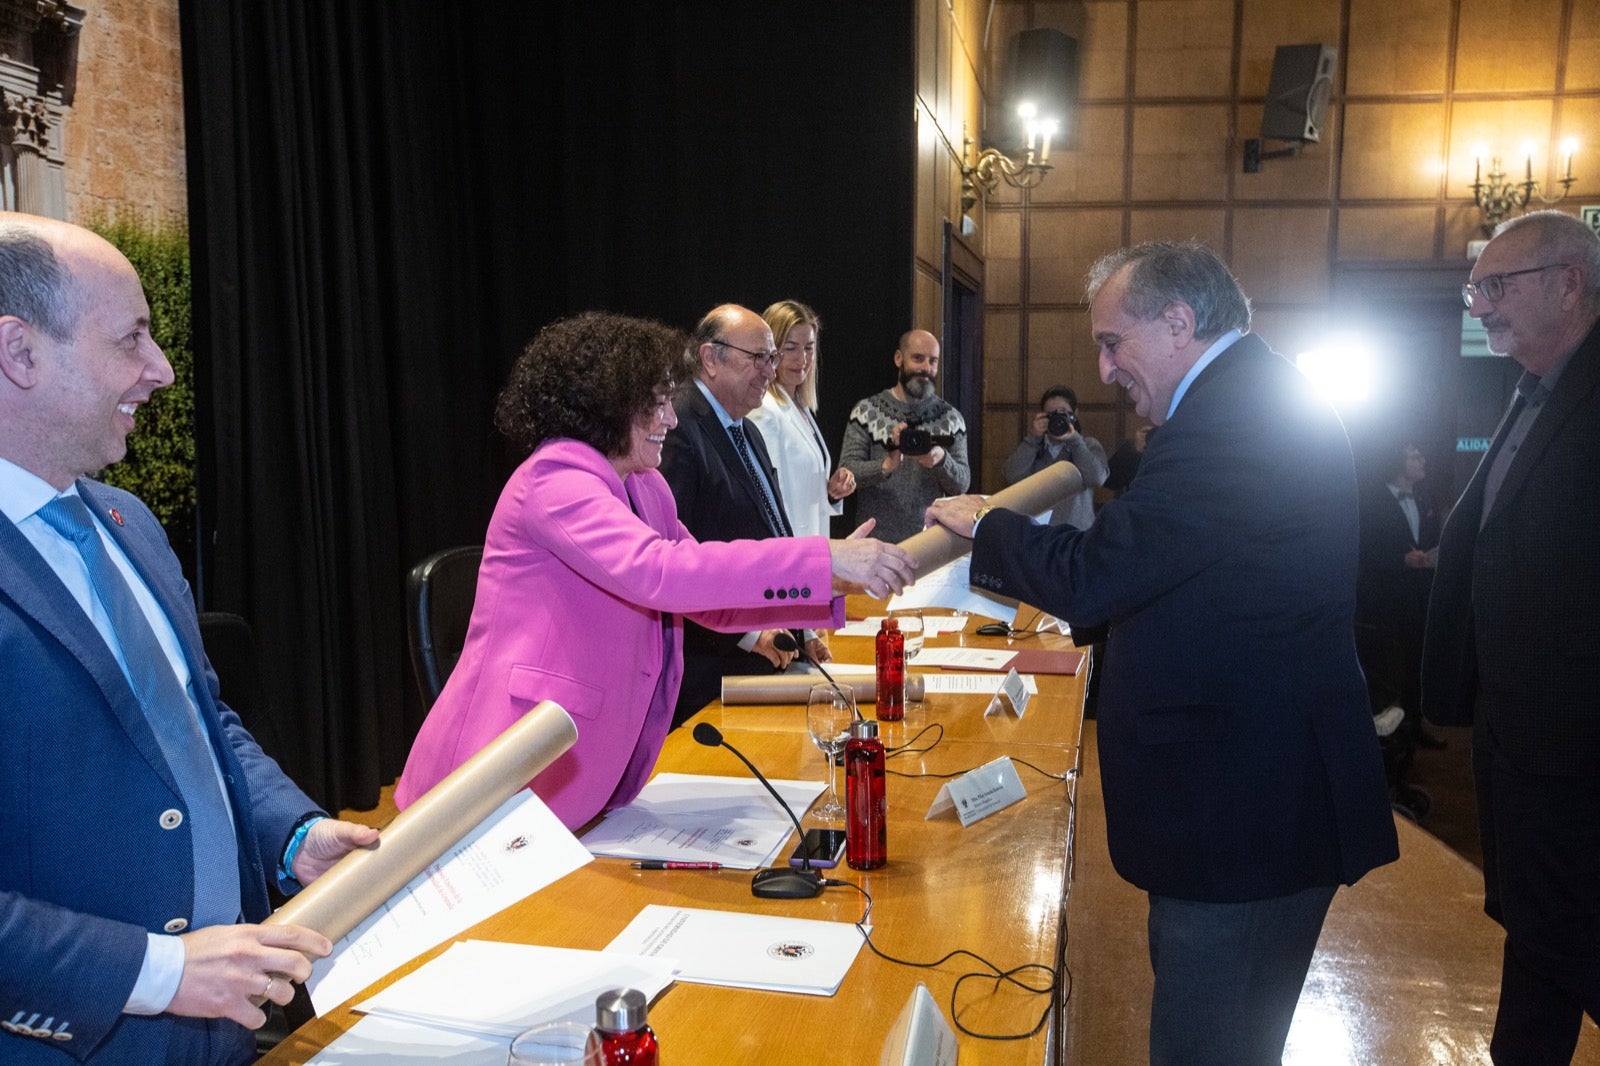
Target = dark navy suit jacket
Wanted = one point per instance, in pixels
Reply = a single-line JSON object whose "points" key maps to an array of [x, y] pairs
{"points": [[86, 866], [1237, 751]]}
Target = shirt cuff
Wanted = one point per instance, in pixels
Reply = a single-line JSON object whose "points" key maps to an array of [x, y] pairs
{"points": [[748, 641], [159, 975]]}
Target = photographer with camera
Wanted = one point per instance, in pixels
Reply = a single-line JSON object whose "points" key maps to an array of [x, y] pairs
{"points": [[905, 446], [1054, 437]]}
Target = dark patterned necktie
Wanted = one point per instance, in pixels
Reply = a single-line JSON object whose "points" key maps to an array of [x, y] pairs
{"points": [[172, 717], [741, 444]]}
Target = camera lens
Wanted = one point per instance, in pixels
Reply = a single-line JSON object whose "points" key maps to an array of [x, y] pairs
{"points": [[1061, 423]]}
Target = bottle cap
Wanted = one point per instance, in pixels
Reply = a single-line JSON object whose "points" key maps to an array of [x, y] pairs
{"points": [[620, 1010], [864, 728], [891, 623]]}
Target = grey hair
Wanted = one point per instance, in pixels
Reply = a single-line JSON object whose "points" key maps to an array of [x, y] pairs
{"points": [[35, 285], [1567, 239], [709, 330], [1164, 272]]}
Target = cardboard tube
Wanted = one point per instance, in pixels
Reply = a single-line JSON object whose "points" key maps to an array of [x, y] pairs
{"points": [[936, 546], [795, 688], [362, 881]]}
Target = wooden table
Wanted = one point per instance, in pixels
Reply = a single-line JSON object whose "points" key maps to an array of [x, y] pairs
{"points": [[998, 888]]}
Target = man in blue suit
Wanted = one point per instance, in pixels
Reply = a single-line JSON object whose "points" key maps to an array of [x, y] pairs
{"points": [[1241, 773], [130, 860]]}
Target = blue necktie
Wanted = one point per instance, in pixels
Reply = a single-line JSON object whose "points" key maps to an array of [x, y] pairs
{"points": [[172, 717], [742, 444]]}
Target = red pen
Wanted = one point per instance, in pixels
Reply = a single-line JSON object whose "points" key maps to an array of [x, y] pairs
{"points": [[656, 864]]}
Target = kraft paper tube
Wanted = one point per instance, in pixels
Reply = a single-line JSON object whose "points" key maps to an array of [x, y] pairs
{"points": [[936, 546], [795, 688], [362, 881]]}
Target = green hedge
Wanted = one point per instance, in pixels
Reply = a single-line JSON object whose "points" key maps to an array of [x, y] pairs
{"points": [[159, 467]]}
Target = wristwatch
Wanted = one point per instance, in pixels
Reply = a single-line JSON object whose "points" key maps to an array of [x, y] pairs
{"points": [[985, 509]]}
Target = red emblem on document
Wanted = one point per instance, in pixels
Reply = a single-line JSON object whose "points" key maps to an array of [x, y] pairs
{"points": [[116, 516]]}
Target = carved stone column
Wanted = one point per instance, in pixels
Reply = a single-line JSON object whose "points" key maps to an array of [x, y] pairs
{"points": [[38, 74]]}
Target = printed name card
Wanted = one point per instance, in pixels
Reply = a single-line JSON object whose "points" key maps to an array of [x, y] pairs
{"points": [[1013, 690], [979, 793]]}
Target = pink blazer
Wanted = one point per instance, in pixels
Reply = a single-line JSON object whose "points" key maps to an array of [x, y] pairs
{"points": [[581, 598]]}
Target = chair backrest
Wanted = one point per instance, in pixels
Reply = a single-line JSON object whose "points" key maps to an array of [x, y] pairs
{"points": [[439, 594], [231, 647]]}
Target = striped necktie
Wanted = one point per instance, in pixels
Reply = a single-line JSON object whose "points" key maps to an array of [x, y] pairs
{"points": [[741, 444]]}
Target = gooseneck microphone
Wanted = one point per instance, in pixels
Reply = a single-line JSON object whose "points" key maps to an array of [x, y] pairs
{"points": [[784, 640], [781, 882]]}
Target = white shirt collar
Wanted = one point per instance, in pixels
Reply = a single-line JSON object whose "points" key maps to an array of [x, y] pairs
{"points": [[22, 492], [1218, 346]]}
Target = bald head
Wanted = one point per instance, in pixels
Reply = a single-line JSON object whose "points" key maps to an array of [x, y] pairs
{"points": [[732, 348]]}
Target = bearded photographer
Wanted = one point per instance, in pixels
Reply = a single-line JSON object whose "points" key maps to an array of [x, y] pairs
{"points": [[905, 446], [1055, 437]]}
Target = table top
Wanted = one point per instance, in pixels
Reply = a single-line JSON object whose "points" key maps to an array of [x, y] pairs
{"points": [[997, 888]]}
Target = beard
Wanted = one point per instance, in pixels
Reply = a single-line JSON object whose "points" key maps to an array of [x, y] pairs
{"points": [[916, 385]]}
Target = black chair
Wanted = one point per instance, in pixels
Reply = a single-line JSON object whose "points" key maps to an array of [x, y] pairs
{"points": [[439, 593]]}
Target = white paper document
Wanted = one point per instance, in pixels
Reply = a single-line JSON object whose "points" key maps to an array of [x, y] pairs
{"points": [[937, 681], [950, 587], [390, 1042], [701, 818], [498, 989], [512, 854], [932, 625], [967, 658], [745, 950]]}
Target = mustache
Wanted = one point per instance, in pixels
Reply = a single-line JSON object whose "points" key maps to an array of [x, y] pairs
{"points": [[1494, 322]]}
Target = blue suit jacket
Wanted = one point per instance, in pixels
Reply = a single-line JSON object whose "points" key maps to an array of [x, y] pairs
{"points": [[86, 868], [1237, 751]]}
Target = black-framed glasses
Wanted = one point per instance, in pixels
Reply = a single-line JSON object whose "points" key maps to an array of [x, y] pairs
{"points": [[769, 360], [1493, 286]]}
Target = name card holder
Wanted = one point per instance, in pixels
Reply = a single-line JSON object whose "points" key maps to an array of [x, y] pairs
{"points": [[1014, 690], [978, 793], [921, 1036]]}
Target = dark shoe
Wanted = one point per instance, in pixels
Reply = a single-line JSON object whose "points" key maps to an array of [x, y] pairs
{"points": [[1430, 741]]}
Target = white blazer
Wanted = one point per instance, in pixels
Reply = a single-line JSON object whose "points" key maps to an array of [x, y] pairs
{"points": [[798, 451]]}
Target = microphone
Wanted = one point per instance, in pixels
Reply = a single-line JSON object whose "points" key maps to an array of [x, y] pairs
{"points": [[784, 640], [780, 882]]}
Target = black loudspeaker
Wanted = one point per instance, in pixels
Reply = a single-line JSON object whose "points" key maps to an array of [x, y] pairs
{"points": [[1042, 68], [1297, 96]]}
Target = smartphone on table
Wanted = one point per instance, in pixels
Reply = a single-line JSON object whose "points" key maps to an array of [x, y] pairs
{"points": [[824, 847]]}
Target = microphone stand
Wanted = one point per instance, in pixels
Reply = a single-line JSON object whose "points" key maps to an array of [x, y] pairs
{"points": [[777, 882], [785, 641]]}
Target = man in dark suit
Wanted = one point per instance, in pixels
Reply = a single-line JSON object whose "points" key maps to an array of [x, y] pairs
{"points": [[724, 484], [139, 822], [1399, 544], [1513, 637], [1241, 773]]}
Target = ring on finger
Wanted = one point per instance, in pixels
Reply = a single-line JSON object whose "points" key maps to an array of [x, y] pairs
{"points": [[266, 993]]}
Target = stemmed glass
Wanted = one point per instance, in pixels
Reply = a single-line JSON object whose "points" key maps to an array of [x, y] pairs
{"points": [[829, 712]]}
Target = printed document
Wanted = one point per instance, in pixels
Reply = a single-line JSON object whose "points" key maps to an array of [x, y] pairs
{"points": [[743, 950], [703, 818]]}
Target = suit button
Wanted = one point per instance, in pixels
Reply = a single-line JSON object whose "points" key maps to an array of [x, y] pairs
{"points": [[794, 594], [171, 818], [61, 1035], [782, 594], [768, 594], [177, 925], [805, 592], [9, 1027]]}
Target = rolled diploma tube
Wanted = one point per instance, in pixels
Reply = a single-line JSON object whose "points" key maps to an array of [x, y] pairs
{"points": [[362, 881], [795, 688], [936, 546]]}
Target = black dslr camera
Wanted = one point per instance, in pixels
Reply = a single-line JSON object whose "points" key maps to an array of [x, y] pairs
{"points": [[914, 440], [1062, 423]]}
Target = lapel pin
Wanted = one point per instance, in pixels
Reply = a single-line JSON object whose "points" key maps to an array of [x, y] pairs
{"points": [[116, 516]]}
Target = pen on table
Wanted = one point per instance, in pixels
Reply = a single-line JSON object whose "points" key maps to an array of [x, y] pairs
{"points": [[656, 864]]}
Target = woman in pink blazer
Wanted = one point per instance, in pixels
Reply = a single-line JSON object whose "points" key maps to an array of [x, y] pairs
{"points": [[587, 572]]}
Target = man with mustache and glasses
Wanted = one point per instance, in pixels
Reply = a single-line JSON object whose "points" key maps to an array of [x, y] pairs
{"points": [[1513, 638], [895, 484]]}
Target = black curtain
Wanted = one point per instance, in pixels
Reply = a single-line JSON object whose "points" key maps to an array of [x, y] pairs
{"points": [[387, 199]]}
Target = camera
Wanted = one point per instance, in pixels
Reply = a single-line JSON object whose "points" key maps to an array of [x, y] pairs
{"points": [[914, 440], [1062, 423]]}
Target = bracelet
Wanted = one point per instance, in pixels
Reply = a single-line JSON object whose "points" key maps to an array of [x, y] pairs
{"points": [[291, 849]]}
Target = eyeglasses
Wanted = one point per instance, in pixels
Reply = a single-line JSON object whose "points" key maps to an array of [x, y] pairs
{"points": [[766, 360], [1493, 286]]}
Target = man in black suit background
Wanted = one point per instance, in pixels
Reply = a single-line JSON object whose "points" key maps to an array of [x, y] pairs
{"points": [[1241, 774], [725, 485], [1513, 635]]}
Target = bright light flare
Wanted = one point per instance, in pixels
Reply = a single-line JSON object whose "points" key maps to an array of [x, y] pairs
{"points": [[1342, 369]]}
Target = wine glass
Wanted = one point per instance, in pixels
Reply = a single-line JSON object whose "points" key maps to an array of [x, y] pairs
{"points": [[910, 620], [829, 712]]}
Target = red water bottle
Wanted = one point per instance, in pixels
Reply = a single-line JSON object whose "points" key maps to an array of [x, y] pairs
{"points": [[623, 1035], [891, 696], [866, 841]]}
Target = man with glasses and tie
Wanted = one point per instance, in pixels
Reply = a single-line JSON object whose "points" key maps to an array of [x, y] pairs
{"points": [[1513, 638], [139, 822], [724, 484]]}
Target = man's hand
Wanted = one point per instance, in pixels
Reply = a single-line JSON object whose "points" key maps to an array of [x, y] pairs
{"points": [[817, 648], [841, 484], [326, 843], [892, 461], [766, 647], [933, 458], [955, 513], [225, 967], [876, 567]]}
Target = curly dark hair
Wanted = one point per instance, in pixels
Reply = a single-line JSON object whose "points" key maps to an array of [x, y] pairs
{"points": [[589, 377]]}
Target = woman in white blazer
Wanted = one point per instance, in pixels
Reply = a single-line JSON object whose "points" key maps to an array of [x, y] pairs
{"points": [[788, 424]]}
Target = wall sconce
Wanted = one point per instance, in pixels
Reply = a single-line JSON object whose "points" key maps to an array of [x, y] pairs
{"points": [[1497, 197], [983, 177]]}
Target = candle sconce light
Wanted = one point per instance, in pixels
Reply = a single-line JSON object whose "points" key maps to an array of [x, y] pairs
{"points": [[1497, 196]]}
